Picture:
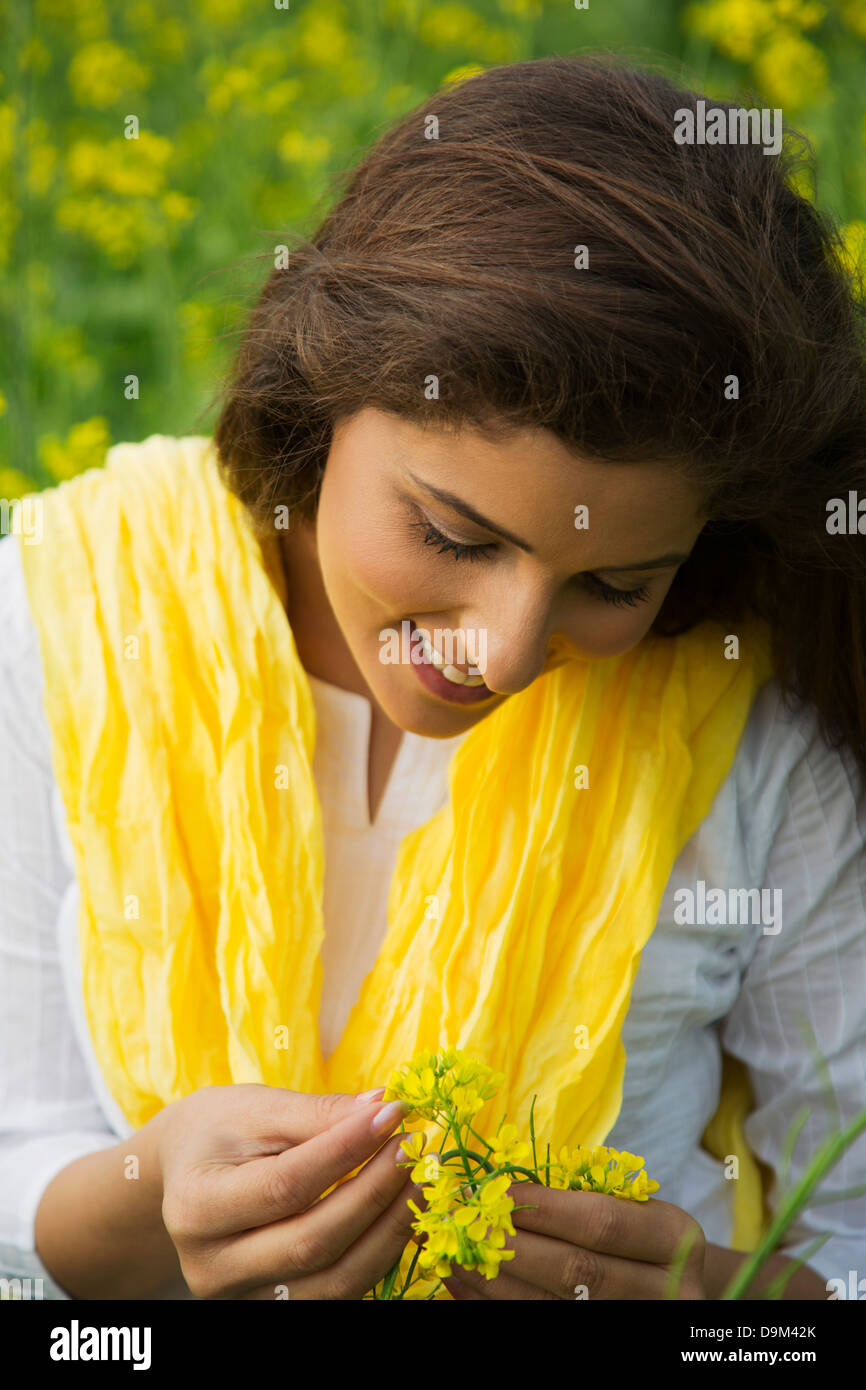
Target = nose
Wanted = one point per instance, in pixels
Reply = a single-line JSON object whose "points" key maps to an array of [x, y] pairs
{"points": [[518, 632]]}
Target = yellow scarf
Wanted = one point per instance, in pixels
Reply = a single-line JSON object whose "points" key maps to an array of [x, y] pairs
{"points": [[183, 730]]}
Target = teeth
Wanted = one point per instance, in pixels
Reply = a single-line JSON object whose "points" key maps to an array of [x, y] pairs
{"points": [[433, 656], [451, 673]]}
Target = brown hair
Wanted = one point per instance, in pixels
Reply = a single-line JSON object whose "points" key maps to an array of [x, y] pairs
{"points": [[454, 256]]}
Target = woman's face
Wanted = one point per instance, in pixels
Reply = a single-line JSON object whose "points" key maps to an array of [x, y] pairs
{"points": [[364, 570]]}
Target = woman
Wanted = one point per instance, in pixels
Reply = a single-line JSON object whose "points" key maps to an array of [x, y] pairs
{"points": [[559, 757]]}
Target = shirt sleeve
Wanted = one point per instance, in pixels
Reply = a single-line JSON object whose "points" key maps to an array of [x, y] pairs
{"points": [[49, 1112], [804, 990]]}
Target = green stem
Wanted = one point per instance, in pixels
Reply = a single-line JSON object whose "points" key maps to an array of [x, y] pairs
{"points": [[793, 1205], [470, 1153]]}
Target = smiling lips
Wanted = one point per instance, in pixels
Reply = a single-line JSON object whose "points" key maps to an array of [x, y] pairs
{"points": [[434, 657], [446, 681]]}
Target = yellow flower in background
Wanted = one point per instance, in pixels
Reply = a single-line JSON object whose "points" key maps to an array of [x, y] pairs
{"points": [[62, 347], [3, 405], [85, 447], [274, 100], [321, 37], [853, 16], [852, 253], [165, 35], [803, 14], [14, 483], [456, 26], [178, 207], [233, 87], [736, 27], [309, 150], [86, 20], [34, 56], [405, 11], [129, 168], [803, 182], [227, 13], [458, 75], [522, 9], [9, 112], [198, 321], [41, 156], [102, 73], [792, 72]]}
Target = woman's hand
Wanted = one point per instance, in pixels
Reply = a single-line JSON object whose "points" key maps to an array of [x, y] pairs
{"points": [[243, 1168], [590, 1245]]}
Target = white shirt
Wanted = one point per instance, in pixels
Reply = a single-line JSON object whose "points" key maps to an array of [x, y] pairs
{"points": [[785, 818]]}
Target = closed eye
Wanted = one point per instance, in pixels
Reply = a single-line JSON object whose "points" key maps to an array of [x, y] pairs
{"points": [[462, 551]]}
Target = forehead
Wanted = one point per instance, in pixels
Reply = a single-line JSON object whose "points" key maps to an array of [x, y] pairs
{"points": [[530, 483]]}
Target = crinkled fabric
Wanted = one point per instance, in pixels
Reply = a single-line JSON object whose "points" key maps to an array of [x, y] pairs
{"points": [[183, 730]]}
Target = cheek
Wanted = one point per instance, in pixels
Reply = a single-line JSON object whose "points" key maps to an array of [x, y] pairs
{"points": [[364, 565], [606, 630]]}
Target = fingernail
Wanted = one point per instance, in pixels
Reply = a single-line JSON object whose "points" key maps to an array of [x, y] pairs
{"points": [[386, 1118], [376, 1094]]}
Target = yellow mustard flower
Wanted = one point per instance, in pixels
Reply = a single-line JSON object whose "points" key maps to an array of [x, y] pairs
{"points": [[178, 207], [736, 27], [101, 73], [14, 484], [506, 1149], [84, 20], [803, 14], [450, 1083], [792, 72], [457, 26], [853, 15], [85, 447], [234, 86], [34, 56], [321, 37], [129, 168], [309, 150], [522, 9], [602, 1169], [465, 1227], [852, 253]]}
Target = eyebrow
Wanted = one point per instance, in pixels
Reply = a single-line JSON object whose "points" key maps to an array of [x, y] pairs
{"points": [[458, 505]]}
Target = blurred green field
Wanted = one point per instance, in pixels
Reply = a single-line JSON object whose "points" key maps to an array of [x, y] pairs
{"points": [[125, 258]]}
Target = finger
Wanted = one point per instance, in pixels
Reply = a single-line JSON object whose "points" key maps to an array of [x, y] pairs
{"points": [[544, 1267], [360, 1268], [342, 1215], [292, 1117], [301, 1245], [648, 1231], [231, 1198], [463, 1292]]}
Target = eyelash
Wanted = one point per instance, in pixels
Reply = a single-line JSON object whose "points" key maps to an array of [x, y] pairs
{"points": [[618, 598]]}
